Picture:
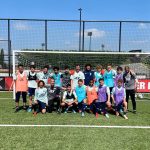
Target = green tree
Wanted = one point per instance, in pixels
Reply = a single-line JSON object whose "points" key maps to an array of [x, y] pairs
{"points": [[2, 57]]}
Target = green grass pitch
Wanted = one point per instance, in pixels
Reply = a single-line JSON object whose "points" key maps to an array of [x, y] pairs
{"points": [[67, 138]]}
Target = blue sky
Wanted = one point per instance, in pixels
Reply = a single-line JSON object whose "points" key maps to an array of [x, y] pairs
{"points": [[62, 35], [68, 9]]}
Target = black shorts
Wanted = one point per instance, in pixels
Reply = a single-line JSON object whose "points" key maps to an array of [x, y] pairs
{"points": [[24, 96], [31, 91]]}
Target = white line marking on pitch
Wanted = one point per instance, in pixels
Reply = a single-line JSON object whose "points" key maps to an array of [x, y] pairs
{"points": [[76, 126]]}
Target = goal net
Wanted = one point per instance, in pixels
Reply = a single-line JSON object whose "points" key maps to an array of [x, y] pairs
{"points": [[138, 62]]}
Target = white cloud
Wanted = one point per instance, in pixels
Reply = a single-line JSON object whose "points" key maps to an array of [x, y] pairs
{"points": [[1, 38], [21, 26], [67, 43], [139, 41], [95, 33], [142, 26]]}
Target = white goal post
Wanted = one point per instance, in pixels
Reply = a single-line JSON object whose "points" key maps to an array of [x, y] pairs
{"points": [[139, 62]]}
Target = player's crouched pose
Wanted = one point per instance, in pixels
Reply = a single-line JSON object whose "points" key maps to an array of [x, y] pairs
{"points": [[119, 99], [69, 100], [81, 97], [40, 99], [53, 96]]}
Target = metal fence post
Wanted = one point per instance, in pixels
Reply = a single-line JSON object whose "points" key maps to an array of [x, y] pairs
{"points": [[120, 31], [46, 35], [80, 28], [83, 36], [9, 48]]}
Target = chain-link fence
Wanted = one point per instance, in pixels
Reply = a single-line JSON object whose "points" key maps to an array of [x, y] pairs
{"points": [[64, 35]]}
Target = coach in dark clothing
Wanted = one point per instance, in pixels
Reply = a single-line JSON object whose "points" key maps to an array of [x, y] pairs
{"points": [[130, 85], [53, 96], [88, 73]]}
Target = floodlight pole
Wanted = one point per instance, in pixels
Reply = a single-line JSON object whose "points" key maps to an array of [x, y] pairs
{"points": [[80, 29], [90, 35]]}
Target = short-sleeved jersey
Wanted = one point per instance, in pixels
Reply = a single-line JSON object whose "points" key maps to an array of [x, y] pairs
{"points": [[98, 76], [57, 77], [129, 80], [89, 75], [53, 92], [66, 79], [109, 78], [75, 77], [41, 95], [43, 76]]}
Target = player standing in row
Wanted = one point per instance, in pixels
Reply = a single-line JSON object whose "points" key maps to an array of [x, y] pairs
{"points": [[98, 74], [131, 83], [66, 78], [21, 86], [57, 76], [44, 75], [76, 76], [109, 76], [32, 85], [119, 76], [88, 73]]}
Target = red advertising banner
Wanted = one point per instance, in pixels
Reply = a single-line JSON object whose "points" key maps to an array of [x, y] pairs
{"points": [[143, 86], [8, 82]]}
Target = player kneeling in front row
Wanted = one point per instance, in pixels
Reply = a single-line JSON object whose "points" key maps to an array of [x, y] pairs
{"points": [[53, 96], [69, 100], [103, 98], [40, 99], [81, 96], [119, 99]]}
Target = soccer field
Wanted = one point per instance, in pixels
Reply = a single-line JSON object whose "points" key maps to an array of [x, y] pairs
{"points": [[64, 137]]}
